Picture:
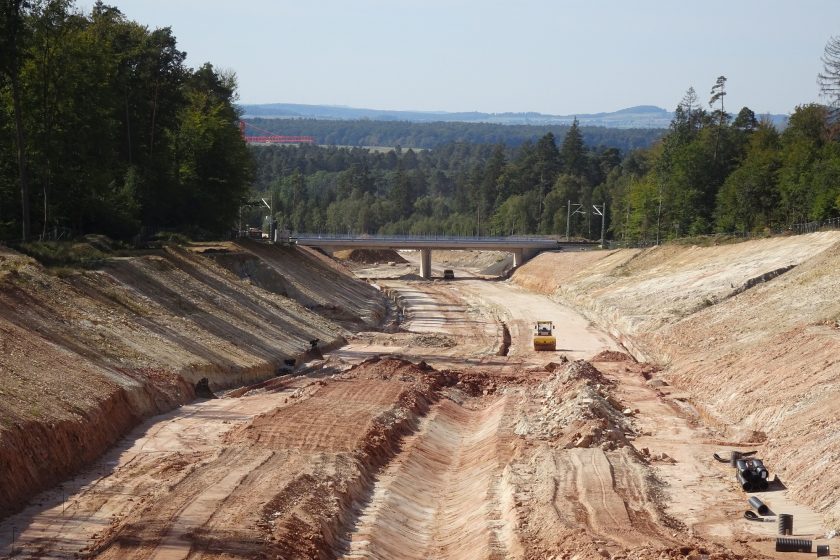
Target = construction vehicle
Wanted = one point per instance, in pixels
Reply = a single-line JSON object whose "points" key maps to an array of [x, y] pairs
{"points": [[449, 274], [544, 339]]}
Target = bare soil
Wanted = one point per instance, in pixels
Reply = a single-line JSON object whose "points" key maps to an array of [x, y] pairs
{"points": [[85, 356], [445, 435], [370, 256], [748, 332]]}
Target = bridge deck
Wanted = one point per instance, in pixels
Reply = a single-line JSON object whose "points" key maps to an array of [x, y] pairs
{"points": [[432, 242]]}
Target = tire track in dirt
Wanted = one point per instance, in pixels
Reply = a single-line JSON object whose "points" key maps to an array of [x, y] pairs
{"points": [[235, 528], [148, 528], [334, 419], [632, 481], [432, 501], [590, 484], [177, 542]]}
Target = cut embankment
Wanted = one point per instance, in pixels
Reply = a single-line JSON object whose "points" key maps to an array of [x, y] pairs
{"points": [[317, 282], [85, 356], [370, 256], [750, 330], [769, 372]]}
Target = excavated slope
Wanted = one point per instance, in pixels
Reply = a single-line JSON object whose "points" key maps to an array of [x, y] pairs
{"points": [[84, 357], [751, 331]]}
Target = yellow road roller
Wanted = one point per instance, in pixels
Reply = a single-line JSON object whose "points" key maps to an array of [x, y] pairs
{"points": [[544, 339]]}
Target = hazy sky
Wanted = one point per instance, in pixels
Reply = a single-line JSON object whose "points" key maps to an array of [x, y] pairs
{"points": [[558, 57]]}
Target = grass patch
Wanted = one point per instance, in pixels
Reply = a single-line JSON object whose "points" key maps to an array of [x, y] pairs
{"points": [[172, 237], [65, 254], [65, 258]]}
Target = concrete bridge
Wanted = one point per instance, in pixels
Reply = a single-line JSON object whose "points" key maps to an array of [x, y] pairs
{"points": [[521, 247]]}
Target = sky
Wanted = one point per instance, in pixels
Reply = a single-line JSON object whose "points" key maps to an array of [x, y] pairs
{"points": [[558, 57]]}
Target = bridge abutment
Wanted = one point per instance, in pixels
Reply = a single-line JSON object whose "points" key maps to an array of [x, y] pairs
{"points": [[521, 256]]}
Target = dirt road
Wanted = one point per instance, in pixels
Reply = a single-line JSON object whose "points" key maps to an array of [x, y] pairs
{"points": [[491, 450], [519, 309]]}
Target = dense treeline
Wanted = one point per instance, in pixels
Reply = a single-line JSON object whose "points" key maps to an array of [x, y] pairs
{"points": [[104, 129], [430, 135], [715, 173], [711, 172], [459, 188]]}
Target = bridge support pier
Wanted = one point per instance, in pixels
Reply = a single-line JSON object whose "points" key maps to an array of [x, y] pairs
{"points": [[426, 263], [518, 258]]}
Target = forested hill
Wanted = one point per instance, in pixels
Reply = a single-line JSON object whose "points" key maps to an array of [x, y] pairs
{"points": [[640, 116], [711, 172], [430, 135], [643, 116]]}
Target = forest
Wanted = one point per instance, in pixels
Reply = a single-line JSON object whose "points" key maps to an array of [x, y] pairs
{"points": [[365, 132], [103, 128], [711, 172]]}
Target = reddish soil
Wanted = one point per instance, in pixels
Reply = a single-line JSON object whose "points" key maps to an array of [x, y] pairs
{"points": [[85, 356], [451, 437]]}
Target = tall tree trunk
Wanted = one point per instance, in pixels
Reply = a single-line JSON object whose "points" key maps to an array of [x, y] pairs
{"points": [[46, 124], [154, 117], [21, 156], [11, 56], [47, 185]]}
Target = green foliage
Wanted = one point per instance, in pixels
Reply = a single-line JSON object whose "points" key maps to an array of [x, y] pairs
{"points": [[103, 128], [460, 188], [64, 253], [120, 134], [749, 198], [707, 174], [432, 135]]}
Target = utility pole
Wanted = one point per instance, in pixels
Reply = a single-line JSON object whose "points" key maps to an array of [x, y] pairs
{"points": [[568, 216], [601, 211], [659, 213], [626, 222], [271, 228], [570, 213]]}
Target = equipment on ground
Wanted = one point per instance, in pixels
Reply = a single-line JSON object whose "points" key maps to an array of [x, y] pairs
{"points": [[759, 506], [544, 339], [785, 523], [793, 545], [752, 475], [448, 274]]}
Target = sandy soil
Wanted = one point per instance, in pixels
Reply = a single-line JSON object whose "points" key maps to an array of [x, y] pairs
{"points": [[450, 437], [86, 356], [749, 333]]}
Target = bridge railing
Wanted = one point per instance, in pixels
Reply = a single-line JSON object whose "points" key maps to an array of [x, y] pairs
{"points": [[425, 237]]}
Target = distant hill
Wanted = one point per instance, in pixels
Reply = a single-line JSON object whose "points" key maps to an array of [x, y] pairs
{"points": [[642, 116], [373, 132]]}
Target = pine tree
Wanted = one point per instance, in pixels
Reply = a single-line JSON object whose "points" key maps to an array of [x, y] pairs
{"points": [[573, 152]]}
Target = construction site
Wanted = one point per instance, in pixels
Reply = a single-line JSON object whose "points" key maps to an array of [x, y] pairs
{"points": [[248, 400]]}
